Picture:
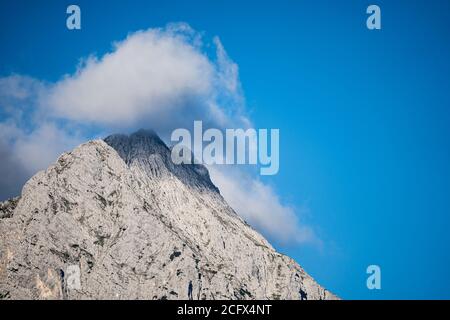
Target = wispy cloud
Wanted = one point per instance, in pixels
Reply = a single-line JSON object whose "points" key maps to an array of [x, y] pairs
{"points": [[261, 207]]}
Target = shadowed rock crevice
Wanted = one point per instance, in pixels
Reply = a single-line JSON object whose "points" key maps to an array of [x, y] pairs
{"points": [[7, 207]]}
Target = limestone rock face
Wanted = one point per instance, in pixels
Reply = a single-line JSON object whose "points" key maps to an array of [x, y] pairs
{"points": [[116, 219]]}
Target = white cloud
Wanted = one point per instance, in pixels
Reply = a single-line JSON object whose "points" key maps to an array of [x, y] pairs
{"points": [[18, 87], [228, 73], [34, 150], [27, 134], [151, 75], [13, 176], [24, 152], [260, 206], [158, 78], [19, 95], [43, 146]]}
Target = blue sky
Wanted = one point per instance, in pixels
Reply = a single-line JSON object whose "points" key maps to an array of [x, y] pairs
{"points": [[363, 115]]}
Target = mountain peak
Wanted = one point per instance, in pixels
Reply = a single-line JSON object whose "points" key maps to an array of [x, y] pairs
{"points": [[133, 226], [145, 150]]}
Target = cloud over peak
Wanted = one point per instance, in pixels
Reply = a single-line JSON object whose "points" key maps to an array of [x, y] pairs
{"points": [[153, 74], [161, 78]]}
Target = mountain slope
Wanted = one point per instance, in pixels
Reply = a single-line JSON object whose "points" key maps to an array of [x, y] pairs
{"points": [[136, 226]]}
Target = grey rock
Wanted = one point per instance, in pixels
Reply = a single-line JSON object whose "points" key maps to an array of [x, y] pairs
{"points": [[7, 207], [116, 219]]}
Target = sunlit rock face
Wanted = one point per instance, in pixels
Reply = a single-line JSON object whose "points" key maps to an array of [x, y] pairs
{"points": [[116, 219]]}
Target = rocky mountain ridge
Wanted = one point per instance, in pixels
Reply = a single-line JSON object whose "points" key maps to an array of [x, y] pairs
{"points": [[116, 219]]}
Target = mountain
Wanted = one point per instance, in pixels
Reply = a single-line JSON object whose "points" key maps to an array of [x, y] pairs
{"points": [[116, 219]]}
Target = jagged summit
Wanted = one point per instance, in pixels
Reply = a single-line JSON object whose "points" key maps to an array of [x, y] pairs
{"points": [[146, 151], [117, 220], [142, 143]]}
